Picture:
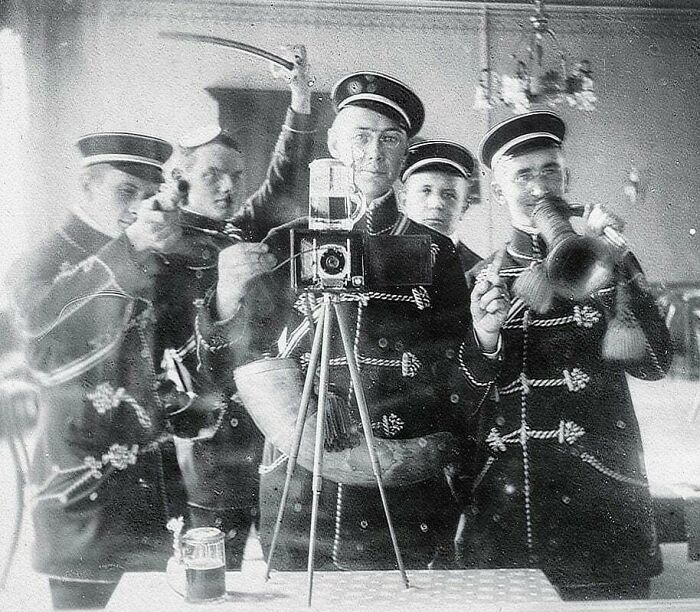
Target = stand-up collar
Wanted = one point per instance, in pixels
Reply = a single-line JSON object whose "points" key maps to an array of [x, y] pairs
{"points": [[526, 246], [382, 215], [83, 235]]}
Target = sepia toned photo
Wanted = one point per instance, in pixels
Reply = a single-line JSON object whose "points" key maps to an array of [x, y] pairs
{"points": [[350, 305]]}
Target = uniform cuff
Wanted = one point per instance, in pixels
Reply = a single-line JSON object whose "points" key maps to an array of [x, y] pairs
{"points": [[298, 122]]}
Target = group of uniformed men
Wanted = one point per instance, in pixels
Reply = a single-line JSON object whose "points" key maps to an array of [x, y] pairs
{"points": [[140, 307]]}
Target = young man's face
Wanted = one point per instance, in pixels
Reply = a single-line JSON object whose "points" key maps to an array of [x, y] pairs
{"points": [[114, 196], [520, 181], [436, 199], [372, 144], [215, 176]]}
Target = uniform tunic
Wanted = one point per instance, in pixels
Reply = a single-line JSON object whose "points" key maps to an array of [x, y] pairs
{"points": [[220, 464], [467, 257], [406, 341], [104, 476], [99, 317], [561, 483]]}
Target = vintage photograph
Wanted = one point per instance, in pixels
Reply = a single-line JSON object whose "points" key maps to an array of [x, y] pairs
{"points": [[350, 305]]}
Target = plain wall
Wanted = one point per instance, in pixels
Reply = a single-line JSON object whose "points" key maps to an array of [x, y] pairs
{"points": [[104, 67]]}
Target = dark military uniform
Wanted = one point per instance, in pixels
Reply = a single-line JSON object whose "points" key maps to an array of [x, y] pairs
{"points": [[406, 342], [104, 475], [467, 257], [561, 483], [220, 465], [99, 317]]}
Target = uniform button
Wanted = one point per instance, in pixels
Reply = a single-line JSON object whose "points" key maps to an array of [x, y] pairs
{"points": [[199, 273], [422, 442], [249, 459], [206, 254], [218, 521], [450, 353], [143, 484], [510, 489], [253, 511], [234, 422], [496, 518], [500, 421], [93, 496], [398, 345], [552, 542], [359, 547], [454, 398], [383, 342], [297, 507], [621, 424], [566, 499], [363, 524], [424, 528], [145, 353], [231, 534]]}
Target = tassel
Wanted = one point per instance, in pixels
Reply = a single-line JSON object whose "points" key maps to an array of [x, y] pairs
{"points": [[340, 431], [624, 339], [534, 288]]}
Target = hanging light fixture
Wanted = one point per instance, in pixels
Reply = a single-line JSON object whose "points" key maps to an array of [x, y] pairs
{"points": [[532, 81]]}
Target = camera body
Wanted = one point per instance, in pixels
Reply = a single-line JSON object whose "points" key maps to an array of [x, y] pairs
{"points": [[340, 261]]}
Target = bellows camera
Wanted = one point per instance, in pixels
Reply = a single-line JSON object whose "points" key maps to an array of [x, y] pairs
{"points": [[353, 261]]}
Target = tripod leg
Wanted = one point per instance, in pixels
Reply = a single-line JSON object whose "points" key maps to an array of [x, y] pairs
{"points": [[318, 446], [298, 433], [367, 428]]}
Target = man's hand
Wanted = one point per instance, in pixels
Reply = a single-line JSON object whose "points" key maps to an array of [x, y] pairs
{"points": [[598, 219], [489, 306], [155, 229], [239, 264], [299, 79]]}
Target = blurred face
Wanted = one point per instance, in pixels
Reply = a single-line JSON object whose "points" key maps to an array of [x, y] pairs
{"points": [[520, 181], [214, 175], [436, 199], [372, 144], [113, 197]]}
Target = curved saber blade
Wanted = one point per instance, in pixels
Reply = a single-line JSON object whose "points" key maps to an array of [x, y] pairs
{"points": [[225, 42]]}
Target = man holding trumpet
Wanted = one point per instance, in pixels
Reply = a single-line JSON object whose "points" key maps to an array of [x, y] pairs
{"points": [[560, 481]]}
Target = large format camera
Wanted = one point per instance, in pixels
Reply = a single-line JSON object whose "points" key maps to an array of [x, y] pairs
{"points": [[325, 260], [330, 257]]}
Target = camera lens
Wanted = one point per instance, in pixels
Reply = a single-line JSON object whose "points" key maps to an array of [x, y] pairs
{"points": [[332, 261]]}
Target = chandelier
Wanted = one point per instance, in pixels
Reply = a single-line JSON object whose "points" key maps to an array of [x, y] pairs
{"points": [[532, 82]]}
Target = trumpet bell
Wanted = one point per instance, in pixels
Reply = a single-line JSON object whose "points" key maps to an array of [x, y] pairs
{"points": [[271, 390], [579, 266]]}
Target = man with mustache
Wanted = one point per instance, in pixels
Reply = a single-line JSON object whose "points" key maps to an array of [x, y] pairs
{"points": [[406, 340], [561, 483], [219, 464], [436, 177]]}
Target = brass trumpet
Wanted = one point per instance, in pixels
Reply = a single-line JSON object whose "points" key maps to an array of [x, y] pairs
{"points": [[576, 265]]}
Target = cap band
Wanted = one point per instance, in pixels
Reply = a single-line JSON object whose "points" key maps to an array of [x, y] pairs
{"points": [[435, 160], [106, 158], [520, 140], [375, 98]]}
